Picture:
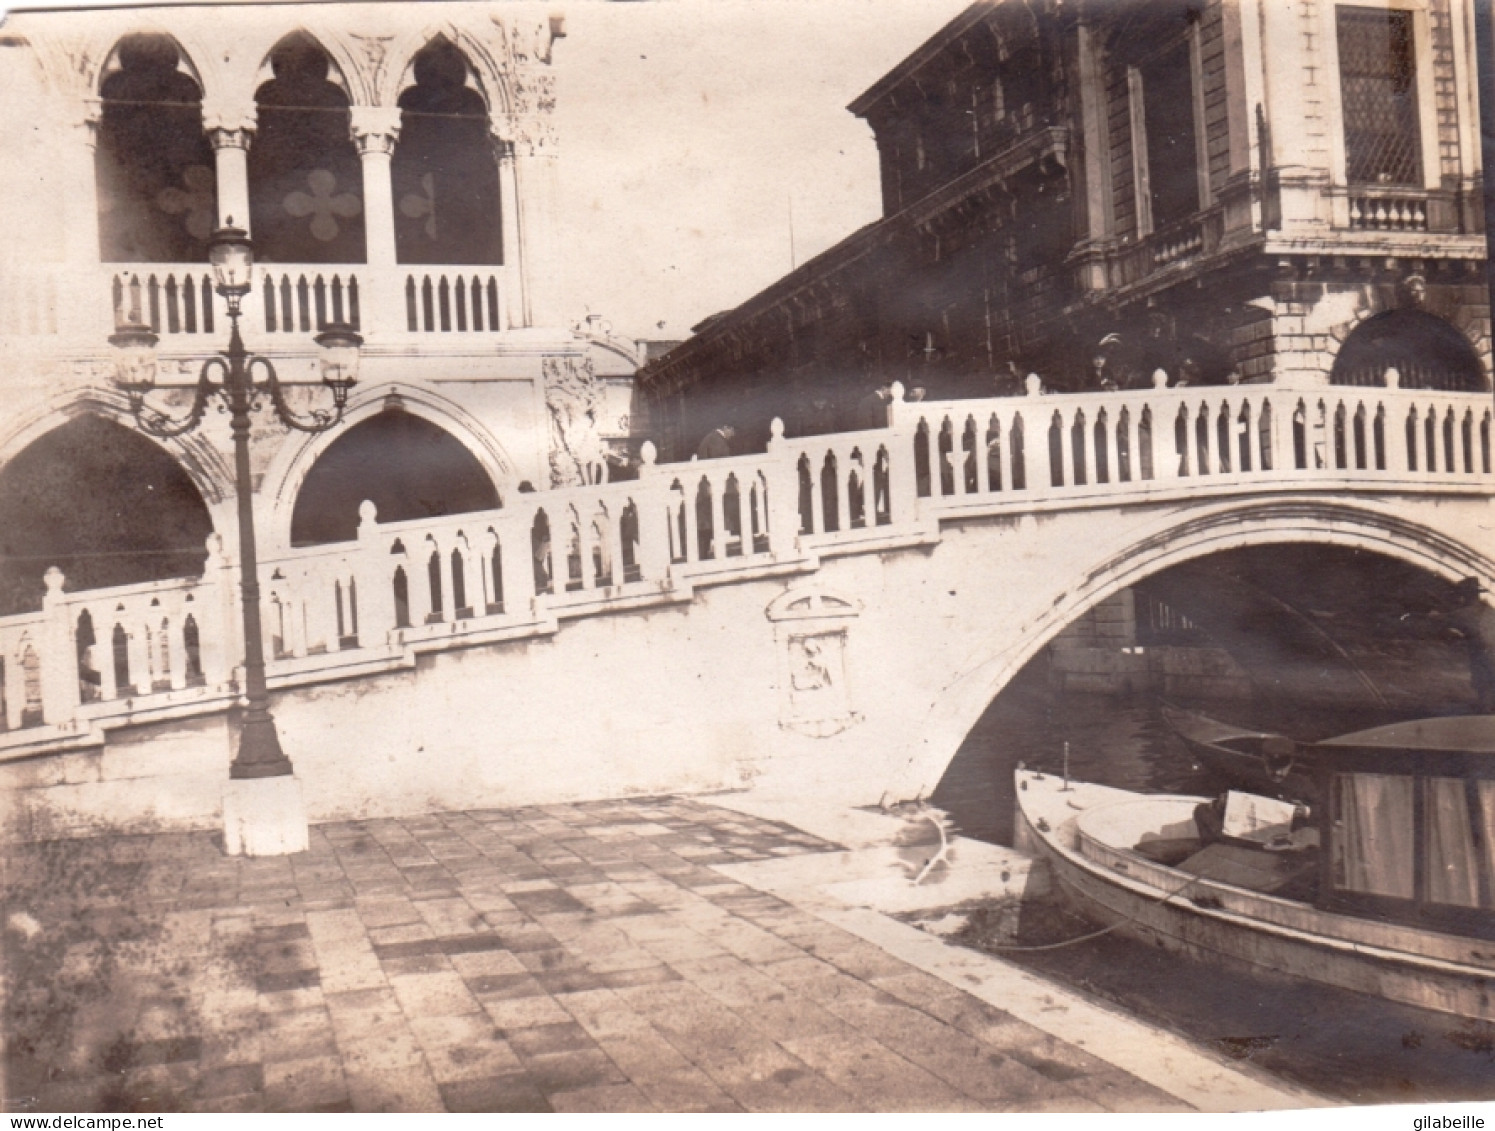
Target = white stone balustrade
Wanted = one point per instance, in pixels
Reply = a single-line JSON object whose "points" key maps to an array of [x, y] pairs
{"points": [[177, 300], [428, 584]]}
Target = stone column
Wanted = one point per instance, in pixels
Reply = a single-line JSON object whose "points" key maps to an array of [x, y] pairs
{"points": [[80, 190], [538, 268], [230, 130], [513, 252], [376, 130], [92, 318]]}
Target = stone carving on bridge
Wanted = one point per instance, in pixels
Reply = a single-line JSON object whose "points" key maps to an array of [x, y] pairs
{"points": [[574, 401], [812, 628]]}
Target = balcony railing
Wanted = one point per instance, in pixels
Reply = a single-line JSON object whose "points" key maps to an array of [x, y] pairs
{"points": [[100, 658], [177, 300], [1388, 210]]}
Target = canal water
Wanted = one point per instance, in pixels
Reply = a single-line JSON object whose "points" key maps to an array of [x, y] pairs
{"points": [[1116, 740], [1346, 1046]]}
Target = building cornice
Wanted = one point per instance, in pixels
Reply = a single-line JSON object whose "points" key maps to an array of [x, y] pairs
{"points": [[927, 52]]}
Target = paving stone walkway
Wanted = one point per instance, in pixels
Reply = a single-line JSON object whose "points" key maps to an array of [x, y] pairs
{"points": [[570, 958]]}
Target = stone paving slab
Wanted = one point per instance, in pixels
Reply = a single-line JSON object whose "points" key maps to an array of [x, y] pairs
{"points": [[588, 957]]}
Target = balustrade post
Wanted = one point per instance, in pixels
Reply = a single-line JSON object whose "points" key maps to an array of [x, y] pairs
{"points": [[1394, 424], [653, 525], [317, 597], [692, 484], [719, 518], [176, 655], [781, 475], [842, 480], [375, 577], [516, 532], [903, 471], [1035, 437], [15, 690], [217, 634], [58, 654], [1066, 450], [586, 547], [477, 577], [1087, 443], [103, 656], [614, 537], [137, 649]]}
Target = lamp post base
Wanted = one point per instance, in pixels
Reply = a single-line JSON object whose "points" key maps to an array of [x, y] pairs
{"points": [[264, 817]]}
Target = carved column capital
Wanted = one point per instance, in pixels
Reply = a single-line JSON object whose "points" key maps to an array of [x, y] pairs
{"points": [[229, 125], [230, 139], [376, 129]]}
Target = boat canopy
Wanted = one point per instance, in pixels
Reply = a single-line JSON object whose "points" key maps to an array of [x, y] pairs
{"points": [[1463, 734], [1411, 822]]}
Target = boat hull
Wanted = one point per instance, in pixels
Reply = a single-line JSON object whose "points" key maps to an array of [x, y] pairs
{"points": [[1213, 921], [1208, 744]]}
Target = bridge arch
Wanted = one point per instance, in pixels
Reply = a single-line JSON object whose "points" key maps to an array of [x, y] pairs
{"points": [[1169, 542], [294, 461]]}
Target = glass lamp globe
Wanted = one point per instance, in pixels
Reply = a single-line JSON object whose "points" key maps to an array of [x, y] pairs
{"points": [[340, 348], [134, 346], [232, 257]]}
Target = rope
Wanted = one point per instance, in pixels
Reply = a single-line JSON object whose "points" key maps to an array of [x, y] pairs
{"points": [[1093, 934]]}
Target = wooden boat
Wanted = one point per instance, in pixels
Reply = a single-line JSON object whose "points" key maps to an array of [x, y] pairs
{"points": [[1398, 902], [1262, 761]]}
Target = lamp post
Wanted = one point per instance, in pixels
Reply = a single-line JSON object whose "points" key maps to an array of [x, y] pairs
{"points": [[259, 755]]}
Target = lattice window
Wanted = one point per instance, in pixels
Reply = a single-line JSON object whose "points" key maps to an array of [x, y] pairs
{"points": [[1378, 79]]}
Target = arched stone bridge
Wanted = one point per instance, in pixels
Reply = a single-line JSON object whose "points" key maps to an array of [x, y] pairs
{"points": [[830, 617]]}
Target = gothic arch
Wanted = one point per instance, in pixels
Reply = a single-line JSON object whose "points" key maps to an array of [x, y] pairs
{"points": [[1168, 542], [155, 172], [444, 172], [294, 460], [337, 72], [97, 498], [489, 72], [209, 471], [305, 175], [111, 63]]}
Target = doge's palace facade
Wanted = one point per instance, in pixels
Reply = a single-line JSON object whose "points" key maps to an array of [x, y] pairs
{"points": [[396, 169]]}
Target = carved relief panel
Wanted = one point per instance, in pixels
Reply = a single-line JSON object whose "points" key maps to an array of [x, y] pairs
{"points": [[811, 629]]}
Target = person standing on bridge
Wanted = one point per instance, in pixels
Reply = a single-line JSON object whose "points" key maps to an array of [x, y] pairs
{"points": [[872, 411], [717, 443], [1474, 623]]}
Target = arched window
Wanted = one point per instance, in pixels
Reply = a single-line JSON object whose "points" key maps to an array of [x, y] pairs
{"points": [[445, 168], [1425, 351], [305, 179], [156, 184]]}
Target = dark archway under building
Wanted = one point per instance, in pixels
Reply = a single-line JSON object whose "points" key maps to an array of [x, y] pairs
{"points": [[1426, 352], [408, 467], [101, 503]]}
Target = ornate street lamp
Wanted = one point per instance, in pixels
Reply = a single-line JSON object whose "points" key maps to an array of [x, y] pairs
{"points": [[231, 255]]}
